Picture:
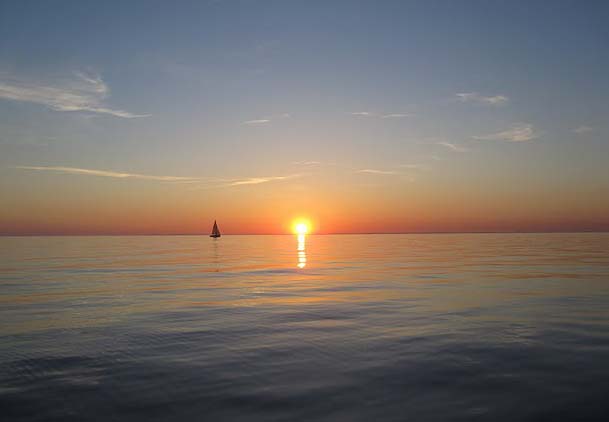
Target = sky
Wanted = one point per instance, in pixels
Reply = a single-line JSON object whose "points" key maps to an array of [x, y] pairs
{"points": [[156, 117]]}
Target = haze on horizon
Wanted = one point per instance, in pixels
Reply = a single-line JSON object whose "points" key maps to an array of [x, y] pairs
{"points": [[150, 117]]}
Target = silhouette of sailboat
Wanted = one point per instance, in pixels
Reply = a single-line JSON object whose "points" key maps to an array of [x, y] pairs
{"points": [[215, 232]]}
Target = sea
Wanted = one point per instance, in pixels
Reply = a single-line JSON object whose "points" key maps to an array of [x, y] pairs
{"points": [[422, 327]]}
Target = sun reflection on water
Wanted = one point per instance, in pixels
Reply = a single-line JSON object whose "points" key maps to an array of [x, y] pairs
{"points": [[302, 255]]}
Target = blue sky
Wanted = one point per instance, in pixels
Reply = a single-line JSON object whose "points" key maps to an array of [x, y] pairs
{"points": [[483, 98]]}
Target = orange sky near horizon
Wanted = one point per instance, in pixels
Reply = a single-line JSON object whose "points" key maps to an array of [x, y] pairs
{"points": [[79, 206]]}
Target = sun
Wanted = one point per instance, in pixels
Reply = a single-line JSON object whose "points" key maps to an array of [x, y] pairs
{"points": [[300, 227]]}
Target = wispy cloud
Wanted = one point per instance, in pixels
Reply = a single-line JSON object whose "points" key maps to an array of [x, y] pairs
{"points": [[452, 146], [259, 180], [380, 115], [375, 171], [583, 129], [307, 163], [267, 120], [107, 173], [201, 182], [521, 132], [475, 97], [82, 93], [257, 122]]}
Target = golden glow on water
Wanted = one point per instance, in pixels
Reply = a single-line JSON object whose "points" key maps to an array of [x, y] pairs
{"points": [[116, 277], [302, 255], [301, 227]]}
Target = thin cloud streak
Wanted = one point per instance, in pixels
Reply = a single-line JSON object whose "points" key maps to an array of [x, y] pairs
{"points": [[583, 129], [256, 122], [84, 93], [375, 171], [452, 146], [306, 163], [522, 132], [381, 116], [267, 119], [106, 173], [259, 180], [205, 182], [475, 97]]}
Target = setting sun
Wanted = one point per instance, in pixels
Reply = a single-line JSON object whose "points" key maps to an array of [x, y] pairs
{"points": [[300, 227]]}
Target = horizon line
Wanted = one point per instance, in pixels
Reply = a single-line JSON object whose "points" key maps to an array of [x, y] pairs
{"points": [[308, 234]]}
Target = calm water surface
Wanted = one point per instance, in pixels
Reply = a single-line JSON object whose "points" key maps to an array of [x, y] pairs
{"points": [[327, 328]]}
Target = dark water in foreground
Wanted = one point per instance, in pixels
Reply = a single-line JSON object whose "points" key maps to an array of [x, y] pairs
{"points": [[371, 328]]}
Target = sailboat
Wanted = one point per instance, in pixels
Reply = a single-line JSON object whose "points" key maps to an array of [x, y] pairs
{"points": [[215, 232]]}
